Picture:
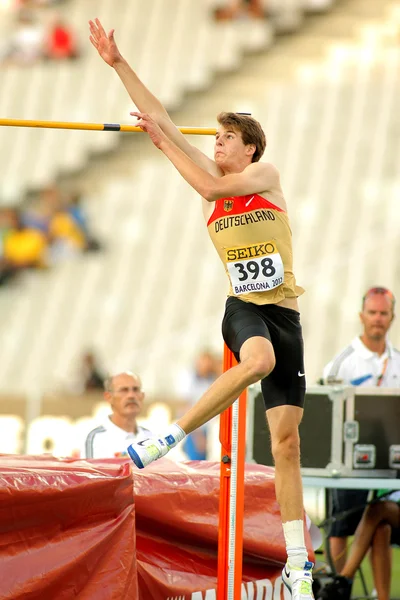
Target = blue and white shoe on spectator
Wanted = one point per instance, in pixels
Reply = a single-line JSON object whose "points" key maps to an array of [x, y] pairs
{"points": [[145, 452], [299, 581]]}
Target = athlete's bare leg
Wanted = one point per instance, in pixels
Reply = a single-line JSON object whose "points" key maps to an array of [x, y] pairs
{"points": [[257, 359], [283, 424]]}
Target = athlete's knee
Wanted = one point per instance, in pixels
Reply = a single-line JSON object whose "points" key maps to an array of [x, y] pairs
{"points": [[382, 533], [259, 367], [286, 446], [375, 512]]}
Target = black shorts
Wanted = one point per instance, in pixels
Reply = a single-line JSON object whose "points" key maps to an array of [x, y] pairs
{"points": [[286, 384], [342, 501], [395, 538]]}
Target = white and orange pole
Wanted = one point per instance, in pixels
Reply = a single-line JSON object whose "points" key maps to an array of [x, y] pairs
{"points": [[231, 500]]}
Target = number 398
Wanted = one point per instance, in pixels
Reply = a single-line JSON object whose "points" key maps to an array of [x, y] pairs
{"points": [[252, 269]]}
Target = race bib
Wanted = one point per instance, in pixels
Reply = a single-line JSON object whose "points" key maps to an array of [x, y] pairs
{"points": [[255, 268]]}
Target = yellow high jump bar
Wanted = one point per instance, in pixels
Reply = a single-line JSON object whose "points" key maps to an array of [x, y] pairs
{"points": [[96, 126]]}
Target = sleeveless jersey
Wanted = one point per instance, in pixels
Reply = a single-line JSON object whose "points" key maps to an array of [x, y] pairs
{"points": [[253, 239]]}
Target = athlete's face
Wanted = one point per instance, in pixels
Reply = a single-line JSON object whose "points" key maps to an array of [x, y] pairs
{"points": [[229, 147], [126, 396], [377, 316]]}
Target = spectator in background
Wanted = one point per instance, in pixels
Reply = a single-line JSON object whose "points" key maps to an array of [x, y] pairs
{"points": [[68, 227], [25, 45], [50, 214], [37, 3], [112, 437], [234, 9], [24, 247], [50, 227], [87, 376], [92, 377], [67, 238], [76, 210], [61, 216], [34, 39], [60, 41], [39, 212], [195, 383], [378, 529], [370, 360], [7, 224]]}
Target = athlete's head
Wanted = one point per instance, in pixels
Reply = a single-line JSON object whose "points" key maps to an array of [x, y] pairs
{"points": [[124, 393], [377, 312], [238, 134]]}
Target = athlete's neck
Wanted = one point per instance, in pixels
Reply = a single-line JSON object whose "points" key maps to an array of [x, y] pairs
{"points": [[126, 423], [378, 346], [232, 169]]}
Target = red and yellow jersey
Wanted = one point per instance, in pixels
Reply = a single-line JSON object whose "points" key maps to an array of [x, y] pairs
{"points": [[254, 241]]}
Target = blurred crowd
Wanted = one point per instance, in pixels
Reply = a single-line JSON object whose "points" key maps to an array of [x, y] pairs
{"points": [[191, 385], [51, 227], [234, 9], [37, 35]]}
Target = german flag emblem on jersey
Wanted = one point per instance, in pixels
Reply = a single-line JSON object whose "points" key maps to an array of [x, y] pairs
{"points": [[228, 205]]}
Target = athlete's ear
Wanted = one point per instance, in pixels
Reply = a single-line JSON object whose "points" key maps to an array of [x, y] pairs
{"points": [[250, 149]]}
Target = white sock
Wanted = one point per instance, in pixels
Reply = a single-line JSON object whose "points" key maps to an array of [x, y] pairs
{"points": [[295, 544], [174, 435]]}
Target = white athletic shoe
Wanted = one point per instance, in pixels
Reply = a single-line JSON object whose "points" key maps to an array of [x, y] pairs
{"points": [[145, 452], [299, 581]]}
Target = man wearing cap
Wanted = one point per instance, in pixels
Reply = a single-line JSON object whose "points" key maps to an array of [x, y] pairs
{"points": [[369, 360]]}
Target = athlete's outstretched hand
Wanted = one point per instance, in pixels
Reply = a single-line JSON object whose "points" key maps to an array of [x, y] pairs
{"points": [[148, 124], [104, 44]]}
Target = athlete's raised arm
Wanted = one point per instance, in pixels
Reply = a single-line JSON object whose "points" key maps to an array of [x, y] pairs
{"points": [[253, 178], [142, 97]]}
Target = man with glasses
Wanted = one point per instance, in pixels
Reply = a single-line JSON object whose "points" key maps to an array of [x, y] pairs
{"points": [[369, 360], [112, 437]]}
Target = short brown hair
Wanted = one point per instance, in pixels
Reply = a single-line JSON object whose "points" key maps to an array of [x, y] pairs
{"points": [[250, 130]]}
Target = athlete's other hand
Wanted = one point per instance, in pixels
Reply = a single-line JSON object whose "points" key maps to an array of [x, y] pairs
{"points": [[104, 44], [148, 124]]}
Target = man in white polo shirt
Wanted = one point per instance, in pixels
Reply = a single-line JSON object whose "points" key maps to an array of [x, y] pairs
{"points": [[370, 360], [112, 437]]}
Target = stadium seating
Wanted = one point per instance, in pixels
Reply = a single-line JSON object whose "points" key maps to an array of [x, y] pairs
{"points": [[157, 293]]}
